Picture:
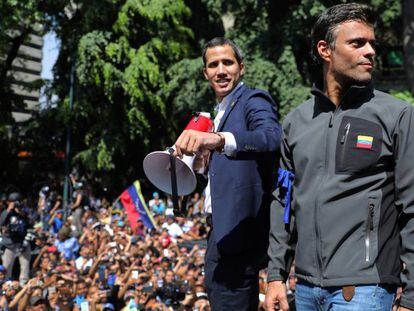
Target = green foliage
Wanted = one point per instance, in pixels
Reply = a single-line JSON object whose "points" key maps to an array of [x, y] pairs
{"points": [[122, 76], [404, 95], [16, 15], [187, 90], [105, 156], [139, 71]]}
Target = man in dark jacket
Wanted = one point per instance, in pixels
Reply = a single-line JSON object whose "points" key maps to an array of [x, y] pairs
{"points": [[345, 195], [241, 166], [14, 224]]}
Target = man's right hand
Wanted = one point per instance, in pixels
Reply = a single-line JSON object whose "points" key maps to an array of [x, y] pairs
{"points": [[276, 297], [192, 142]]}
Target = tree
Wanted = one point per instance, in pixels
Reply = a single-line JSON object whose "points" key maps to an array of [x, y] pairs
{"points": [[122, 56], [140, 73]]}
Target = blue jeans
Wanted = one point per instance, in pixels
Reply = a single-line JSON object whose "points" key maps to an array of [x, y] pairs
{"points": [[366, 298]]}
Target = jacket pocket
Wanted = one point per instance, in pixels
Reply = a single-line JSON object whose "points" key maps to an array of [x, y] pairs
{"points": [[358, 146], [369, 230]]}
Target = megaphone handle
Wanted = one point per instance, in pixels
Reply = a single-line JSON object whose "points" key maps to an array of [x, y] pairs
{"points": [[174, 191]]}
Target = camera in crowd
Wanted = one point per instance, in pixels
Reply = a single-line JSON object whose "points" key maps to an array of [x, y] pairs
{"points": [[29, 238], [172, 293]]}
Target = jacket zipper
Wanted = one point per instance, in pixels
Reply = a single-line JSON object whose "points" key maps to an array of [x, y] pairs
{"points": [[331, 118], [369, 229], [344, 138], [317, 203]]}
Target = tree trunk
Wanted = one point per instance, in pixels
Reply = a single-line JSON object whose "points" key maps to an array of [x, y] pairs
{"points": [[408, 41]]}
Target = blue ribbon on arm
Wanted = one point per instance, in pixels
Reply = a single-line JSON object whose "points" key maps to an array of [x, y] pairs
{"points": [[285, 182]]}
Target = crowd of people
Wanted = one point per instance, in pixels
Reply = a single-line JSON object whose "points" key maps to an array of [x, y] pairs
{"points": [[91, 259]]}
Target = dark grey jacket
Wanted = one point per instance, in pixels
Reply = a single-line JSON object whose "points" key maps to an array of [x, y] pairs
{"points": [[353, 193]]}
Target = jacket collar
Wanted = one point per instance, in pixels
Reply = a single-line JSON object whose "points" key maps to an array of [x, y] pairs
{"points": [[235, 98], [354, 96], [228, 98]]}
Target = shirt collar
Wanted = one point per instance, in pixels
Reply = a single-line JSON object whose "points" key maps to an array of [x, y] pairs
{"points": [[227, 99]]}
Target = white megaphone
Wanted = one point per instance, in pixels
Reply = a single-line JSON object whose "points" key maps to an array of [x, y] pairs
{"points": [[158, 165]]}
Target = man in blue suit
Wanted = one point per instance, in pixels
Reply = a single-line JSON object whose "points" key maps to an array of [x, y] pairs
{"points": [[242, 164]]}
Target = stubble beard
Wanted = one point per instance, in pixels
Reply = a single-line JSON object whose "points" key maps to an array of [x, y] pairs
{"points": [[359, 78]]}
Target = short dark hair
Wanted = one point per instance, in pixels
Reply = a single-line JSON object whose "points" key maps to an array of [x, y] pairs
{"points": [[220, 41], [330, 19]]}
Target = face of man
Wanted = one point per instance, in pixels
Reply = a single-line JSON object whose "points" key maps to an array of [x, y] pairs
{"points": [[84, 252], [44, 264], [82, 289], [222, 70], [352, 59], [169, 277]]}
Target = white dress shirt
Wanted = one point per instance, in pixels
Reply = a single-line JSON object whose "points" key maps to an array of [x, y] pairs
{"points": [[230, 144]]}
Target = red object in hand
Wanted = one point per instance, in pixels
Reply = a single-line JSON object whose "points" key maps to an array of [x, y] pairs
{"points": [[200, 122]]}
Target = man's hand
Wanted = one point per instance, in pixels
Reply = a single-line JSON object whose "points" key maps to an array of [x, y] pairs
{"points": [[396, 307], [191, 142], [276, 296], [201, 160]]}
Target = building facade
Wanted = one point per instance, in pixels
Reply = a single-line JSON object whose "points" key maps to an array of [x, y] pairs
{"points": [[26, 69]]}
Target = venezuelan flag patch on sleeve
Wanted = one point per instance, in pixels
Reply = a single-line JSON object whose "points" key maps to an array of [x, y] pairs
{"points": [[364, 142]]}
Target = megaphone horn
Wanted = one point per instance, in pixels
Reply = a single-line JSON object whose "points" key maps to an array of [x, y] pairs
{"points": [[157, 164], [157, 168]]}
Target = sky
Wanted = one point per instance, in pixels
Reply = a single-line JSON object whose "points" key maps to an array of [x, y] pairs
{"points": [[50, 51]]}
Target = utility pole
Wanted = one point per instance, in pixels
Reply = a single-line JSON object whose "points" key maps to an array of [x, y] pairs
{"points": [[68, 140]]}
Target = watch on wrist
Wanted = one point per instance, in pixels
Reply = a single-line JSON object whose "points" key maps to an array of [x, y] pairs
{"points": [[220, 147]]}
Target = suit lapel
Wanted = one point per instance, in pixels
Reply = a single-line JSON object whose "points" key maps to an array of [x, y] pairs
{"points": [[234, 100]]}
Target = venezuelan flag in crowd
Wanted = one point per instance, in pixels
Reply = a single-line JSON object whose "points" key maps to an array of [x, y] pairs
{"points": [[135, 206]]}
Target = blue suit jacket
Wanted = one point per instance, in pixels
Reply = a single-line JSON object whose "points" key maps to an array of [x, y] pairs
{"points": [[241, 185]]}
